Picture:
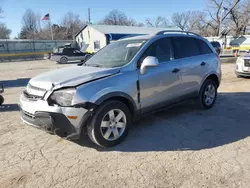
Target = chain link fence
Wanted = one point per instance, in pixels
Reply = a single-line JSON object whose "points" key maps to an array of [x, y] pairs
{"points": [[25, 49]]}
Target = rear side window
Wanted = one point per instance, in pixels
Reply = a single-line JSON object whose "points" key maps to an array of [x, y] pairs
{"points": [[204, 48], [185, 47]]}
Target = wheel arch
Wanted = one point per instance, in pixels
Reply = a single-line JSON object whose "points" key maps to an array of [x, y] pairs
{"points": [[63, 56], [213, 77], [120, 96]]}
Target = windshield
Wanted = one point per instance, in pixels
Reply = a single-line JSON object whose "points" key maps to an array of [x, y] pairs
{"points": [[116, 54]]}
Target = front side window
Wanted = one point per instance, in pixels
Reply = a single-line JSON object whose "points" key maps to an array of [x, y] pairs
{"points": [[161, 49], [185, 47], [116, 54]]}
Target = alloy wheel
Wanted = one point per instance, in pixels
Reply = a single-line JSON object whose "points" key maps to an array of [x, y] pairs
{"points": [[113, 124]]}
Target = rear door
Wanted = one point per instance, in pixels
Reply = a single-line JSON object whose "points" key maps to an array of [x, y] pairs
{"points": [[208, 60], [187, 55]]}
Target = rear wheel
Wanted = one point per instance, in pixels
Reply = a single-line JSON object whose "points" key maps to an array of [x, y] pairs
{"points": [[1, 99], [110, 124], [63, 60], [208, 94]]}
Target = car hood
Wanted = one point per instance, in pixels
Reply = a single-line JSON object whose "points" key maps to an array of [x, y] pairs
{"points": [[70, 76]]}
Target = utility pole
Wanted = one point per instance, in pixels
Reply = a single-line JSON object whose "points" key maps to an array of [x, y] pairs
{"points": [[89, 18]]}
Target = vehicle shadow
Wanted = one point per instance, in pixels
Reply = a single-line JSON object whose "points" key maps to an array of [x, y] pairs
{"points": [[9, 107], [21, 82], [185, 127]]}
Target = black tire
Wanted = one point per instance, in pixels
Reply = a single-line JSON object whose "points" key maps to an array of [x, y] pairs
{"points": [[201, 98], [63, 60], [1, 99], [94, 128]]}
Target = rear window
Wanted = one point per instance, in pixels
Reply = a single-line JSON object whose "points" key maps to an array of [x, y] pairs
{"points": [[204, 48], [185, 47]]}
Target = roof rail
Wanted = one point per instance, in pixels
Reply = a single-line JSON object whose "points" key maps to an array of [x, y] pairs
{"points": [[176, 31]]}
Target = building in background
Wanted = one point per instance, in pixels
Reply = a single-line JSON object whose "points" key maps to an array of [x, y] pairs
{"points": [[94, 37]]}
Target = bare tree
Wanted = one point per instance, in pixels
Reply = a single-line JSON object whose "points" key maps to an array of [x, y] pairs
{"points": [[116, 17], [4, 31], [70, 25], [186, 20], [214, 11], [239, 18], [159, 21], [30, 25]]}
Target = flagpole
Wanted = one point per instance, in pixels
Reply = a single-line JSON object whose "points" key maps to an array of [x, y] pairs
{"points": [[51, 30]]}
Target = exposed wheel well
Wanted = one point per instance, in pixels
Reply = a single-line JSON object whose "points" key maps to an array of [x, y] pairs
{"points": [[124, 100], [215, 78]]}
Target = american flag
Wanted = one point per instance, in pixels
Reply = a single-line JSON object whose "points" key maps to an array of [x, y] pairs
{"points": [[46, 17]]}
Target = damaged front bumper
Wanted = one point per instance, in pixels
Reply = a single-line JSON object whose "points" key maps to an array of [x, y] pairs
{"points": [[54, 119]]}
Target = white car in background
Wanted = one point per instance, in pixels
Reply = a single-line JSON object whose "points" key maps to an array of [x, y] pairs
{"points": [[243, 65]]}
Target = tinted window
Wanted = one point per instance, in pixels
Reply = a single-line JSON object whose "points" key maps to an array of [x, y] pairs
{"points": [[68, 51], [204, 48], [160, 49], [215, 44], [185, 47]]}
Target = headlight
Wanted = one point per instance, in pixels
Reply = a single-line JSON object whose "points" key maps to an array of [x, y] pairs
{"points": [[63, 97]]}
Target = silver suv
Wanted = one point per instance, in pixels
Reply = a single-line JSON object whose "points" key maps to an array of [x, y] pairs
{"points": [[122, 82]]}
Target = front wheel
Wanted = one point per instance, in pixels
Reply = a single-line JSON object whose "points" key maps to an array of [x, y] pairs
{"points": [[208, 94], [63, 60], [110, 124]]}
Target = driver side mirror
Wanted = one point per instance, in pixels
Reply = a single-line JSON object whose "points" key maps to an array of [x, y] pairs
{"points": [[149, 61]]}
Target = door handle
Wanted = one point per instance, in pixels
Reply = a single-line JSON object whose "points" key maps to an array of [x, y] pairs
{"points": [[175, 70], [203, 64]]}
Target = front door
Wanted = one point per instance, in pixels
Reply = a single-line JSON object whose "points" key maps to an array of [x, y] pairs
{"points": [[159, 86]]}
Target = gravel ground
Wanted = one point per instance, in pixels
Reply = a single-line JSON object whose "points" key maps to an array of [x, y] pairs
{"points": [[179, 147]]}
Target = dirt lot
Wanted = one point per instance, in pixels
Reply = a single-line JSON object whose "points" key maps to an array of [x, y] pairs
{"points": [[180, 147]]}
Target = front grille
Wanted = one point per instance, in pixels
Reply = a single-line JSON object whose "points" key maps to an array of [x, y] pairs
{"points": [[247, 62], [31, 97]]}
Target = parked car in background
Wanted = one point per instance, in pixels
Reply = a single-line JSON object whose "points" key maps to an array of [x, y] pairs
{"points": [[216, 46], [121, 82], [243, 65], [66, 54]]}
